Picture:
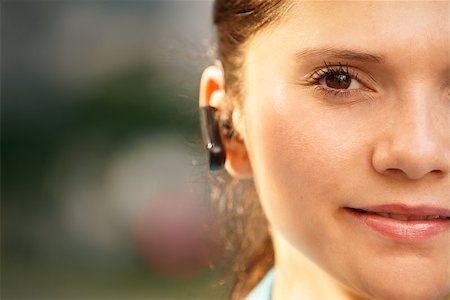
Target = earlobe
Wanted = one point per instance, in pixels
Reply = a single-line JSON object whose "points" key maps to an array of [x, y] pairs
{"points": [[237, 162], [215, 129]]}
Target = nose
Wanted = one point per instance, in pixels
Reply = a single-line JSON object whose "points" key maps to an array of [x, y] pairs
{"points": [[417, 141]]}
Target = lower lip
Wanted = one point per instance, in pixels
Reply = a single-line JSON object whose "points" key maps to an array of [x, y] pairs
{"points": [[409, 230]]}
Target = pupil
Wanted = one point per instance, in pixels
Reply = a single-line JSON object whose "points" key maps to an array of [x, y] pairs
{"points": [[338, 81]]}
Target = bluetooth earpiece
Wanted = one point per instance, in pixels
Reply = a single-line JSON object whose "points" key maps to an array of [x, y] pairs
{"points": [[209, 123]]}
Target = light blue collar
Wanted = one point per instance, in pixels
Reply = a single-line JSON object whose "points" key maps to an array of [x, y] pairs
{"points": [[263, 291]]}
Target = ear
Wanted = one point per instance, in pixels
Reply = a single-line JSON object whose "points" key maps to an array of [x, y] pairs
{"points": [[212, 93]]}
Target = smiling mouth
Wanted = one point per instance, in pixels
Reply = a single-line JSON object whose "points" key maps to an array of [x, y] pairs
{"points": [[400, 217], [402, 222]]}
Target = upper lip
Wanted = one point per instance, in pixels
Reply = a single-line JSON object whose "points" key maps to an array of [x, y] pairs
{"points": [[407, 210]]}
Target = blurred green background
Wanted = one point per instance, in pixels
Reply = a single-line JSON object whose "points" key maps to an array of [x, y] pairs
{"points": [[103, 179]]}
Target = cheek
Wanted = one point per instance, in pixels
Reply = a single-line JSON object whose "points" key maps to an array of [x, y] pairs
{"points": [[305, 160]]}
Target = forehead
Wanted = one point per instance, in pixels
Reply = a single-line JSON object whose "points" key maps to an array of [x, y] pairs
{"points": [[361, 24], [384, 18]]}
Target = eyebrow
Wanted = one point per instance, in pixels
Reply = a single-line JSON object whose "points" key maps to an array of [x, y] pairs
{"points": [[325, 53]]}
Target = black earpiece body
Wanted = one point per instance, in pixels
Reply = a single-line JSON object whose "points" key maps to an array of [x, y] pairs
{"points": [[211, 137]]}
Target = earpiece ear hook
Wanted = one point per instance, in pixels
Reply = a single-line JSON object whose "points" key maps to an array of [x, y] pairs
{"points": [[211, 137]]}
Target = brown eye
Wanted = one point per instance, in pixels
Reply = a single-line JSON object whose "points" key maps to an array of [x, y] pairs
{"points": [[338, 81]]}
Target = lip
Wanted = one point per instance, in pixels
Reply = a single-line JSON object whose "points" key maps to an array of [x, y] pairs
{"points": [[404, 230]]}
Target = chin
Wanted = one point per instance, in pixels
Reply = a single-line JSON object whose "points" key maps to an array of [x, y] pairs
{"points": [[407, 287], [414, 294]]}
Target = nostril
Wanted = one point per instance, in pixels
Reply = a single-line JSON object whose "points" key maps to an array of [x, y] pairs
{"points": [[414, 173], [438, 173]]}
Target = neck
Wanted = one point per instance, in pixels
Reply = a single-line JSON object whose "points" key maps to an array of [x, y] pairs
{"points": [[299, 278]]}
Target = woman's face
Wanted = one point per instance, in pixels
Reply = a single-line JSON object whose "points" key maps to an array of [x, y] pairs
{"points": [[347, 107]]}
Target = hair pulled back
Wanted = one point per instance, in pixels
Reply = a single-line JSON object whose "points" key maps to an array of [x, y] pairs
{"points": [[236, 22], [244, 227]]}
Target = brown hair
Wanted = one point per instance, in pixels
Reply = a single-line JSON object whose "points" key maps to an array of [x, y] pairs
{"points": [[244, 227]]}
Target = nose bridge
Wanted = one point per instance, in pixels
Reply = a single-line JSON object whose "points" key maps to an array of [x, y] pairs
{"points": [[418, 141], [416, 125]]}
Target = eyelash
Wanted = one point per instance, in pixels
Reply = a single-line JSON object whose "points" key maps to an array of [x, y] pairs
{"points": [[332, 69]]}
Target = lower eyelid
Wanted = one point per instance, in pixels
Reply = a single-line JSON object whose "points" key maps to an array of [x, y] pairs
{"points": [[341, 96], [336, 91]]}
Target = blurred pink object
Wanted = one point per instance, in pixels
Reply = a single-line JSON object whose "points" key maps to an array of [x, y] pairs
{"points": [[174, 231]]}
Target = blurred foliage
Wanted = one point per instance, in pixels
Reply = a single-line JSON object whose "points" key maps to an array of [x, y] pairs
{"points": [[133, 101]]}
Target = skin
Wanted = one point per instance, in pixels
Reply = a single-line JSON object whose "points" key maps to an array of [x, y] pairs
{"points": [[311, 154]]}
